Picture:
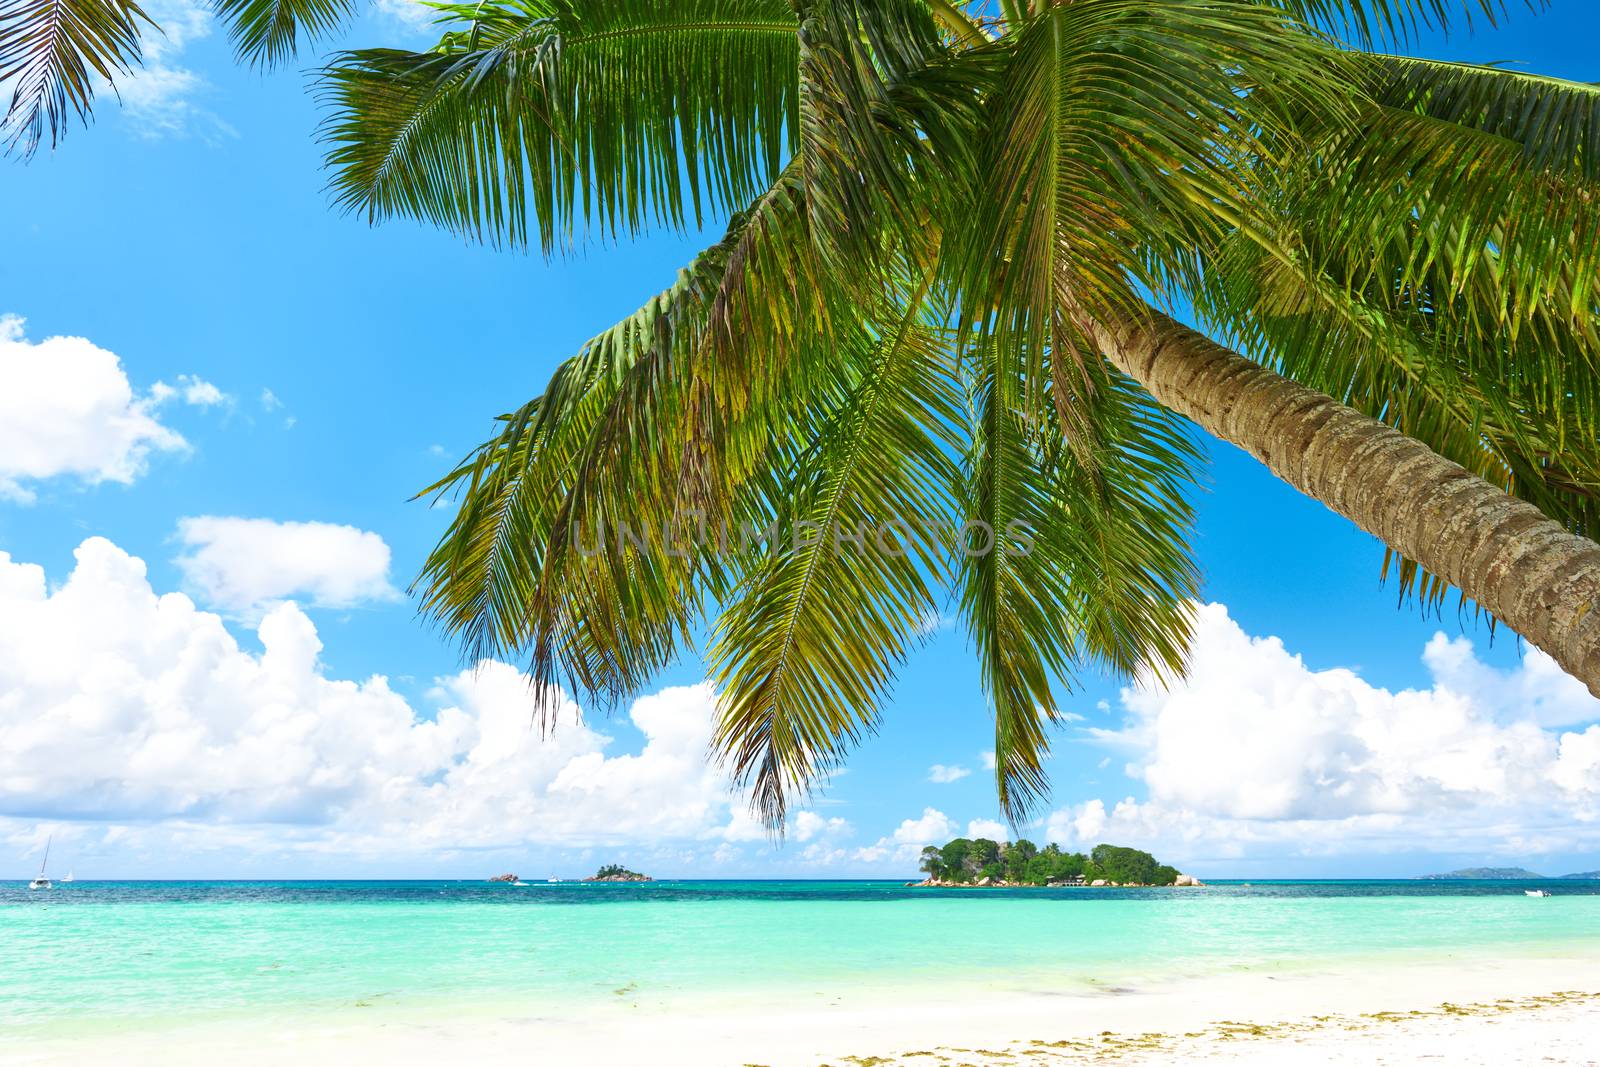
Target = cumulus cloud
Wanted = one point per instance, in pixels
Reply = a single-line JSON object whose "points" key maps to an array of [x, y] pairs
{"points": [[942, 774], [67, 409], [158, 97], [140, 714], [989, 828], [802, 826], [1253, 750], [808, 825], [934, 827], [194, 391], [409, 15], [244, 565]]}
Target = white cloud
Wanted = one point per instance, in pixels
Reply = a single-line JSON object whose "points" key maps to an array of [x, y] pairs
{"points": [[243, 565], [988, 760], [808, 825], [802, 826], [196, 392], [136, 722], [140, 715], [409, 14], [68, 409], [1254, 752], [1539, 691], [271, 403], [989, 828], [158, 97], [942, 774], [934, 827]]}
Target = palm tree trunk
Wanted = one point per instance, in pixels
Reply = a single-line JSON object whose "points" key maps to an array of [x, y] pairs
{"points": [[1532, 574]]}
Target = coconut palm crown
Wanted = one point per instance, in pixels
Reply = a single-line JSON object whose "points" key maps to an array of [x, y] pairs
{"points": [[929, 370], [954, 237]]}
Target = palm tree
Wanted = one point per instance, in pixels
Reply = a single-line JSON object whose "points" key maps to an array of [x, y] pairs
{"points": [[939, 296], [939, 302]]}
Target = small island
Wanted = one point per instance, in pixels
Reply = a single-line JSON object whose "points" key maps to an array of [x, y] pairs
{"points": [[505, 878], [612, 872], [984, 863]]}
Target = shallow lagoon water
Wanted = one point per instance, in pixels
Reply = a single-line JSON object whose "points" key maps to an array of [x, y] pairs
{"points": [[93, 956]]}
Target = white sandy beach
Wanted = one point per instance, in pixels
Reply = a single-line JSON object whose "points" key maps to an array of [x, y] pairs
{"points": [[1461, 1011]]}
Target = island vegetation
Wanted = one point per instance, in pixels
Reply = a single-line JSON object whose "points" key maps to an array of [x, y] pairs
{"points": [[613, 872], [982, 862]]}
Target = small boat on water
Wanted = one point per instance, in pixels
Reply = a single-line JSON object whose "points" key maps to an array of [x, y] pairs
{"points": [[1536, 892], [68, 879], [521, 883], [42, 882]]}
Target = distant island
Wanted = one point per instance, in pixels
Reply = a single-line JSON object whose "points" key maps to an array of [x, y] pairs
{"points": [[1509, 873], [982, 862], [505, 878], [1481, 873], [611, 872]]}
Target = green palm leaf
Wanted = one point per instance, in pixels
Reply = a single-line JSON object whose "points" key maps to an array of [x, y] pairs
{"points": [[1114, 136], [548, 113], [52, 52], [1091, 564], [1416, 239], [617, 439], [812, 635], [1557, 122], [1368, 21], [269, 32]]}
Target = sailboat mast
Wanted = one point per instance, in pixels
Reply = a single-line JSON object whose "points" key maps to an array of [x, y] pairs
{"points": [[46, 862]]}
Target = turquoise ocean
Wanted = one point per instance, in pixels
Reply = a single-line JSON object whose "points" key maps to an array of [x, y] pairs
{"points": [[110, 957]]}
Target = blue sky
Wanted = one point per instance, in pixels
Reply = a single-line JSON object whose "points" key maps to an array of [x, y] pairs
{"points": [[189, 234]]}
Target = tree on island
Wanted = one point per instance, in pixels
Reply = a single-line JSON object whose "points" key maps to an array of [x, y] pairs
{"points": [[1130, 865], [1017, 855], [964, 862], [615, 872]]}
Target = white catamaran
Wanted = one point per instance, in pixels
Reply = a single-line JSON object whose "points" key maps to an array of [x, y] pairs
{"points": [[42, 882]]}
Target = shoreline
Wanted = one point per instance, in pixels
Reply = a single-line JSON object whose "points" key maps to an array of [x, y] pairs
{"points": [[1475, 1008]]}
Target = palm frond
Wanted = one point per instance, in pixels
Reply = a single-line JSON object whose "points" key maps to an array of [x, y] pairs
{"points": [[543, 114], [811, 637], [1367, 22], [1418, 363], [858, 167], [1556, 122], [655, 420], [52, 52], [1438, 271], [269, 32], [1090, 563], [1449, 222], [1113, 140]]}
